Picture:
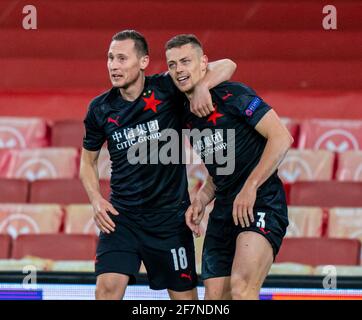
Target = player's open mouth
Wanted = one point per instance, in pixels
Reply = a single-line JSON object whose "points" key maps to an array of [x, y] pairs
{"points": [[116, 77], [182, 80]]}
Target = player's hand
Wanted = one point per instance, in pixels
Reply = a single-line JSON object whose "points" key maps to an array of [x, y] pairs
{"points": [[243, 206], [201, 102], [102, 208], [194, 215]]}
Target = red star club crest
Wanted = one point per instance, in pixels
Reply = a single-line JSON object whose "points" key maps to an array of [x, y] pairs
{"points": [[151, 103], [214, 116]]}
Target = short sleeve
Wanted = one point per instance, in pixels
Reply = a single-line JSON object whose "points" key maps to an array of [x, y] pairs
{"points": [[94, 136], [164, 82], [251, 108]]}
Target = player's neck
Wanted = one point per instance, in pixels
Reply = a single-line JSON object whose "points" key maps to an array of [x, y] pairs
{"points": [[133, 91], [189, 94]]}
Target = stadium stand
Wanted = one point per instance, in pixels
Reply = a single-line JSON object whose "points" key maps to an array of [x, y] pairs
{"points": [[5, 243], [40, 163], [17, 219], [67, 133], [349, 166], [14, 190], [20, 132], [286, 58], [332, 135], [345, 223], [79, 219], [307, 165], [305, 222], [317, 251], [326, 194], [64, 191], [55, 246]]}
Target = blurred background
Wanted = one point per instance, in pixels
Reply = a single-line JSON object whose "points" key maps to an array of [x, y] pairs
{"points": [[311, 76]]}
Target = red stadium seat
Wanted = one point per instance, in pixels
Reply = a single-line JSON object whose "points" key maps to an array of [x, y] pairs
{"points": [[58, 105], [259, 74], [5, 246], [17, 219], [345, 223], [332, 135], [67, 133], [72, 103], [35, 164], [64, 191], [326, 194], [274, 15], [220, 45], [307, 165], [319, 251], [23, 133], [314, 104], [14, 191], [55, 246], [349, 166], [79, 219], [287, 187], [305, 222]]}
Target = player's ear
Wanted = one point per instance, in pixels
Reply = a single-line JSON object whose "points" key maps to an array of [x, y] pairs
{"points": [[204, 62], [145, 60]]}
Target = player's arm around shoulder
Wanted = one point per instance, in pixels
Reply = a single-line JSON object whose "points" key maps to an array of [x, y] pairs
{"points": [[217, 72]]}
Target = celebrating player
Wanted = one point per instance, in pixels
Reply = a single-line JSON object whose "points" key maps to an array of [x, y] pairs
{"points": [[249, 219], [144, 220]]}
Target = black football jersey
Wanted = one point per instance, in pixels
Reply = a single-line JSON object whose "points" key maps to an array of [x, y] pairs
{"points": [[237, 109], [123, 125]]}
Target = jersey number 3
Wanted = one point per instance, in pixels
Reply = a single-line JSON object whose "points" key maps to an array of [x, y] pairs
{"points": [[261, 222]]}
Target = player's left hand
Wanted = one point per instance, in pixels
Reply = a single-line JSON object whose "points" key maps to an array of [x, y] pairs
{"points": [[243, 206], [194, 215], [201, 102]]}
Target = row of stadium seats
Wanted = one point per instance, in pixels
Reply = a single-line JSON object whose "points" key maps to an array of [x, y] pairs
{"points": [[66, 191], [317, 251], [63, 163], [266, 74], [49, 246], [229, 14], [71, 104], [308, 165], [301, 77], [16, 219], [220, 44], [309, 251], [283, 66], [316, 134]]}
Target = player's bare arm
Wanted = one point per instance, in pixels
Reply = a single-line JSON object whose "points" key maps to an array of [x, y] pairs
{"points": [[90, 179], [278, 143], [217, 72], [196, 210]]}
